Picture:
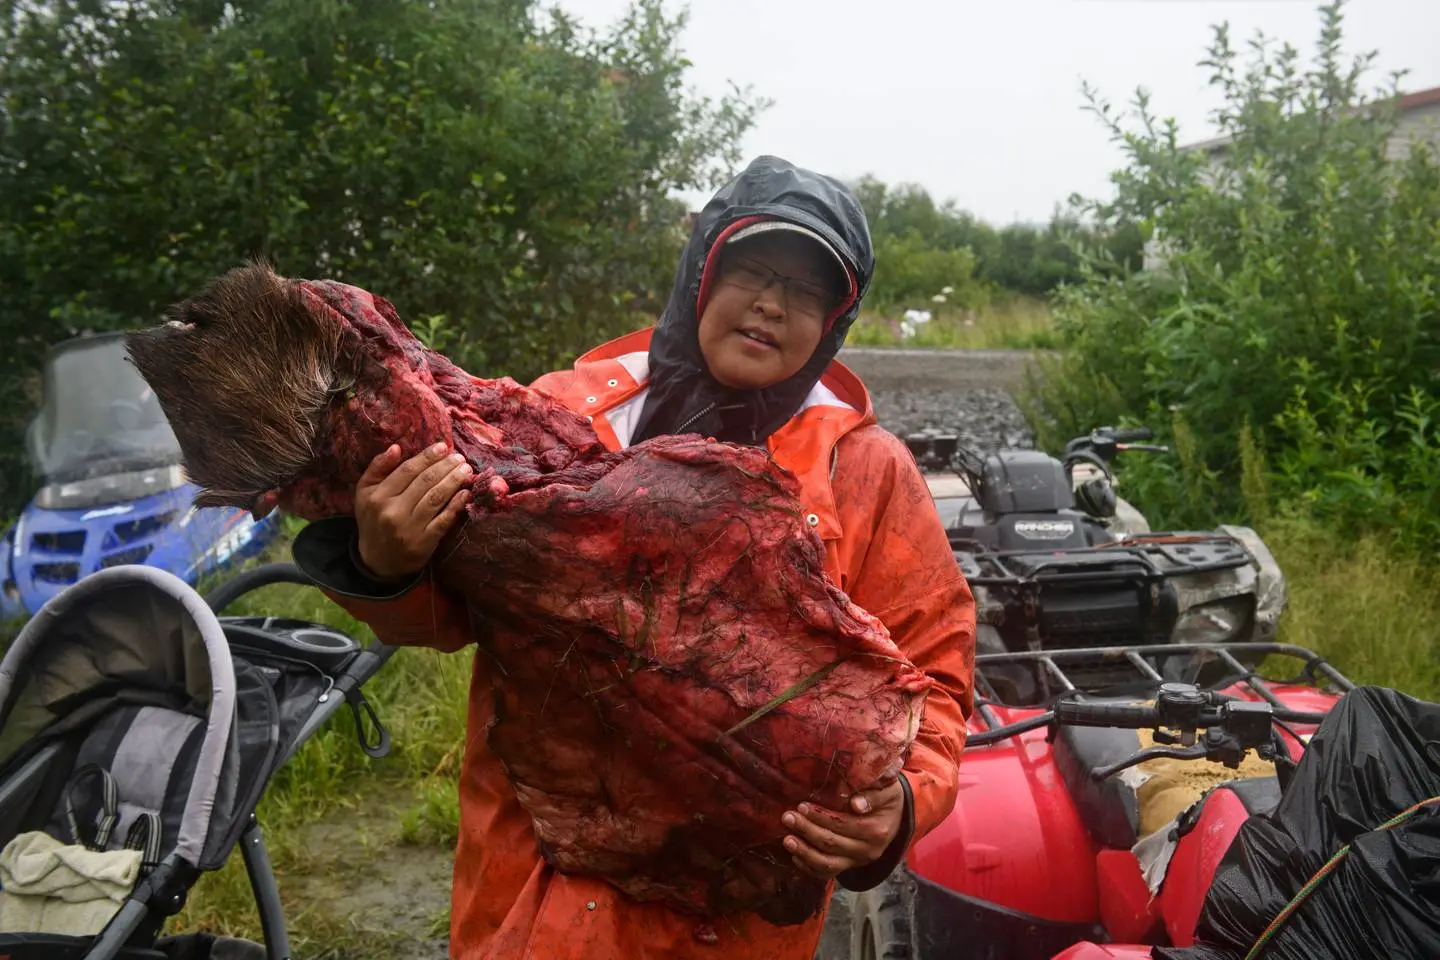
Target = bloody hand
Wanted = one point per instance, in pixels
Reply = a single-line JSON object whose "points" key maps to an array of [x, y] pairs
{"points": [[825, 843]]}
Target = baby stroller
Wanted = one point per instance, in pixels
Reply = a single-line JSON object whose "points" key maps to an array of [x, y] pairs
{"points": [[140, 729]]}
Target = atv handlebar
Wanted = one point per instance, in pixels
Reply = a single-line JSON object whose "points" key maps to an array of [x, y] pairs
{"points": [[1098, 447], [1138, 716], [1102, 444], [1130, 716], [1179, 712]]}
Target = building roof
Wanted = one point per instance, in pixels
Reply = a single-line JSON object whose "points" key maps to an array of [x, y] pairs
{"points": [[1405, 103]]}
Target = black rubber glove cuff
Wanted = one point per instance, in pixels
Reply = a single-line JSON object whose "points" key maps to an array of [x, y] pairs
{"points": [[328, 551], [873, 874]]}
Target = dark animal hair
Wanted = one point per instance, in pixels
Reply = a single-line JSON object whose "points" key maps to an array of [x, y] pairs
{"points": [[257, 363]]}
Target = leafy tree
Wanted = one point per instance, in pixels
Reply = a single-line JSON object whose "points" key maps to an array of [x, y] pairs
{"points": [[1294, 337], [923, 246], [501, 175], [910, 272]]}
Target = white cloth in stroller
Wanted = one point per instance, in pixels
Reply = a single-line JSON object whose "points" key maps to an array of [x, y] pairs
{"points": [[48, 886]]}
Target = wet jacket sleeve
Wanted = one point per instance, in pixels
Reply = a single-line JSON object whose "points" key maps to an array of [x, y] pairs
{"points": [[411, 611], [905, 575]]}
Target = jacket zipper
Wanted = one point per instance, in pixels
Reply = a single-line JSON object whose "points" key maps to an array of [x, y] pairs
{"points": [[710, 408], [705, 412]]}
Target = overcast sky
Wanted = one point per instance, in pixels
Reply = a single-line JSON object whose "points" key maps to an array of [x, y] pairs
{"points": [[979, 100]]}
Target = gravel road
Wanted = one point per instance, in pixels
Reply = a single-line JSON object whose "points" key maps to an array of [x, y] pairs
{"points": [[965, 392]]}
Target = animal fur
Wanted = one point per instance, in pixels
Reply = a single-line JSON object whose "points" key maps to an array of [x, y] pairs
{"points": [[244, 370]]}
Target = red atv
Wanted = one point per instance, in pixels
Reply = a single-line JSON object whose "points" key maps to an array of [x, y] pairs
{"points": [[1070, 830], [1129, 777]]}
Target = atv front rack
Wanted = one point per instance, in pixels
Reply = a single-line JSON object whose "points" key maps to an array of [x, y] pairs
{"points": [[1314, 668], [1145, 558]]}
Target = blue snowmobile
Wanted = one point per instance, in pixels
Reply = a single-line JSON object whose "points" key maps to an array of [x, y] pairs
{"points": [[112, 488]]}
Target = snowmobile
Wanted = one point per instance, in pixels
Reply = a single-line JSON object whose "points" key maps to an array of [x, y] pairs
{"points": [[112, 491], [1057, 560]]}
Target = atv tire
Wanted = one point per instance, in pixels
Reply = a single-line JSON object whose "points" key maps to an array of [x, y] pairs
{"points": [[881, 921]]}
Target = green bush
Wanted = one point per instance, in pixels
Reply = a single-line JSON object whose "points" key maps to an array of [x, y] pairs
{"points": [[910, 272], [1297, 319], [476, 162]]}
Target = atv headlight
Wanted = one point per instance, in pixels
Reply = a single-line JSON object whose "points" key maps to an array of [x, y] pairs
{"points": [[116, 488], [1216, 622]]}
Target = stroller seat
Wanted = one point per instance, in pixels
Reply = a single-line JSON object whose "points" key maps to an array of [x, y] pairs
{"points": [[128, 783]]}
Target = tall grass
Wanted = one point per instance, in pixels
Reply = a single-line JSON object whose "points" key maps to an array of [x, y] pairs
{"points": [[1004, 323], [1368, 608]]}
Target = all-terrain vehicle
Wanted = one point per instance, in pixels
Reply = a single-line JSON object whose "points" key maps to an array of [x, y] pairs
{"points": [[1057, 560], [1129, 774], [112, 491], [1176, 823]]}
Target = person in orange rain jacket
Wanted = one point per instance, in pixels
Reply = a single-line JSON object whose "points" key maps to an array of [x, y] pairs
{"points": [[767, 287]]}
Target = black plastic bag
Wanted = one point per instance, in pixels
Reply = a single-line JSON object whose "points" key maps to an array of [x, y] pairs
{"points": [[1376, 755]]}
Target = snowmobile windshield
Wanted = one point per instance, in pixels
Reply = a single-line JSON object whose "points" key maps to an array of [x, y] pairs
{"points": [[98, 415]]}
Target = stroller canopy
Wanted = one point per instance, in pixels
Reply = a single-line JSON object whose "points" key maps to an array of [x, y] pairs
{"points": [[131, 666]]}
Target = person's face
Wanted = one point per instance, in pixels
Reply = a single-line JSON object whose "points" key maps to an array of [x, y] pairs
{"points": [[758, 330]]}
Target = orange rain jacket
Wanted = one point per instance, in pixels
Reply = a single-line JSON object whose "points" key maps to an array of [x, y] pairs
{"points": [[884, 546]]}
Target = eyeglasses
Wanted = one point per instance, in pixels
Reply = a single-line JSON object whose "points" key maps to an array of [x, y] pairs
{"points": [[801, 296]]}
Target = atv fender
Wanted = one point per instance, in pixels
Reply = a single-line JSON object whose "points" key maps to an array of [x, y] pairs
{"points": [[1013, 813], [1205, 833]]}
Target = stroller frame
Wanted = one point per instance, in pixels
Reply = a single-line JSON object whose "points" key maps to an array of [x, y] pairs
{"points": [[136, 925]]}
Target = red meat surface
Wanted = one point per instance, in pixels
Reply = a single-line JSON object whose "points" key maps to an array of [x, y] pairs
{"points": [[672, 668]]}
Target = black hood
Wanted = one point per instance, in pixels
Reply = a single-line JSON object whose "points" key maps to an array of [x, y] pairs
{"points": [[683, 397]]}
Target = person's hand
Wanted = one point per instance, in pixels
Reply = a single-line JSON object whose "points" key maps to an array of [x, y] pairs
{"points": [[403, 510], [825, 843]]}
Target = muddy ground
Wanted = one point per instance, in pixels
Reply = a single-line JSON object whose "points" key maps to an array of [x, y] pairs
{"points": [[383, 898], [394, 897]]}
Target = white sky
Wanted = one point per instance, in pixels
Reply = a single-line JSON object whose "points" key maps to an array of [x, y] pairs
{"points": [[979, 100]]}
